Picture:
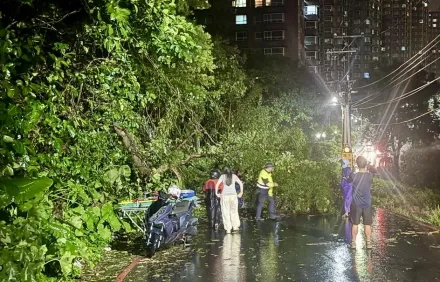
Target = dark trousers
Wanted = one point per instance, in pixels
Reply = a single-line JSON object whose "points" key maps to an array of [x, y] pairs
{"points": [[263, 195], [212, 208]]}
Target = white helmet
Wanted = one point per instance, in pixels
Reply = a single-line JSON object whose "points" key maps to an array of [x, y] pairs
{"points": [[174, 191]]}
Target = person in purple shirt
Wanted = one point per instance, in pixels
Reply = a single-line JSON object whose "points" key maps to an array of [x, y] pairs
{"points": [[346, 186], [361, 203]]}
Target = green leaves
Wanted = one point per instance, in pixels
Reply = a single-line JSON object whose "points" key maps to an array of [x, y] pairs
{"points": [[21, 190]]}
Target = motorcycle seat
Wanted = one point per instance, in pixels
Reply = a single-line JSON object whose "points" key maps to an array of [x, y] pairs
{"points": [[181, 207]]}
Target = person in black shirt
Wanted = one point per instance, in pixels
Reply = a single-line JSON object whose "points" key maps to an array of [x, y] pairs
{"points": [[361, 203]]}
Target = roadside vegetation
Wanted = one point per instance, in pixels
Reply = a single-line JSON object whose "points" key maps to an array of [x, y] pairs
{"points": [[417, 194]]}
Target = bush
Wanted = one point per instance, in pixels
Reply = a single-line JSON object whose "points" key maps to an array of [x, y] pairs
{"points": [[418, 203], [420, 167], [307, 186]]}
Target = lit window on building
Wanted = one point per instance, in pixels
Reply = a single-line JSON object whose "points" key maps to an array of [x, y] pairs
{"points": [[367, 39], [383, 49], [241, 19], [274, 35], [258, 3], [239, 3], [241, 35], [434, 25], [366, 75], [273, 18], [274, 51], [375, 58], [311, 10], [434, 20], [274, 2], [310, 40], [403, 48]]}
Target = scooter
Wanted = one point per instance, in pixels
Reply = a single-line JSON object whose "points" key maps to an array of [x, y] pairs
{"points": [[168, 221]]}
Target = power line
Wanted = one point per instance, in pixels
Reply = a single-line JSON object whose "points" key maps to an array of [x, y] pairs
{"points": [[406, 121], [374, 95], [411, 59], [404, 96]]}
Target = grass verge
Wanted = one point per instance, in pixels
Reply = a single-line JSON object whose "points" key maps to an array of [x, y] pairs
{"points": [[418, 203]]}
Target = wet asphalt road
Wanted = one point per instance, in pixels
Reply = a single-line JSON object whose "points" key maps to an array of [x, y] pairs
{"points": [[304, 248]]}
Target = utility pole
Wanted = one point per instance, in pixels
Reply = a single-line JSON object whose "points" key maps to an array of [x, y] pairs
{"points": [[345, 98]]}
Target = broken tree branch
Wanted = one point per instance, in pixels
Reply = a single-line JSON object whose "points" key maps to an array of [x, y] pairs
{"points": [[137, 157]]}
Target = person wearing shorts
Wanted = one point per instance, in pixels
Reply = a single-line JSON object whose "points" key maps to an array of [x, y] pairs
{"points": [[361, 203]]}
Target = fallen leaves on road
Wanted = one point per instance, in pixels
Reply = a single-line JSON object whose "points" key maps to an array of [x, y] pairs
{"points": [[318, 244]]}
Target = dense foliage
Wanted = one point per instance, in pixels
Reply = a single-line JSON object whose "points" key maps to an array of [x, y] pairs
{"points": [[101, 99], [414, 202], [419, 166]]}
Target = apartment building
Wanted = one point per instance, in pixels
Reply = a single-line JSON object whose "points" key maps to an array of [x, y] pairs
{"points": [[342, 38], [434, 30], [262, 27], [404, 29]]}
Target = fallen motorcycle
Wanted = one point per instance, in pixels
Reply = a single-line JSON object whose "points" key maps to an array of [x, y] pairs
{"points": [[169, 220]]}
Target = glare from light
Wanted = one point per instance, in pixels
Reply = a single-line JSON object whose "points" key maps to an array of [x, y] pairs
{"points": [[334, 99], [318, 135], [323, 135]]}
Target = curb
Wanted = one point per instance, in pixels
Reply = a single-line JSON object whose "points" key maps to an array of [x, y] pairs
{"points": [[127, 270], [424, 224]]}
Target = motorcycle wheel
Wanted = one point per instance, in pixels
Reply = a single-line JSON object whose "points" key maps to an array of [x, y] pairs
{"points": [[152, 248]]}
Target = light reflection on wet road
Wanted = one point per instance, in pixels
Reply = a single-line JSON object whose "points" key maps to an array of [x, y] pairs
{"points": [[311, 248]]}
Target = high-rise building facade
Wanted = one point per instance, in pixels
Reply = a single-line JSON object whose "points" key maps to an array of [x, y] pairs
{"points": [[404, 29], [434, 32], [342, 38], [266, 27]]}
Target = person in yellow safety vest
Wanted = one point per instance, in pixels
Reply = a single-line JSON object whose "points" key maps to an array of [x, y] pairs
{"points": [[265, 186]]}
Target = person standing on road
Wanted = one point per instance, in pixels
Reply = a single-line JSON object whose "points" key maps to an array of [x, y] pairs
{"points": [[361, 204], [229, 200], [265, 186], [212, 202], [346, 187]]}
